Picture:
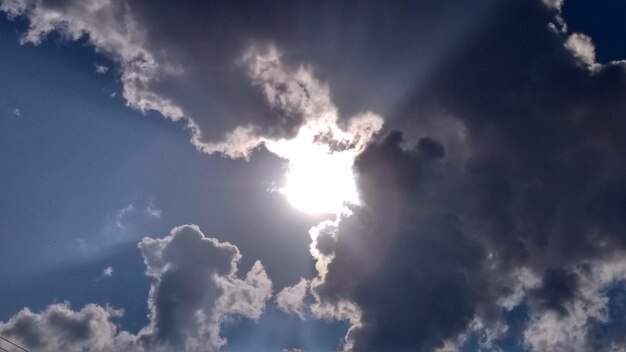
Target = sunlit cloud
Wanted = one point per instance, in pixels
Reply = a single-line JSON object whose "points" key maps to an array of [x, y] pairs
{"points": [[319, 176]]}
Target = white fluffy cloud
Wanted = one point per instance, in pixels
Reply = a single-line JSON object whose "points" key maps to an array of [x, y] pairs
{"points": [[582, 47]]}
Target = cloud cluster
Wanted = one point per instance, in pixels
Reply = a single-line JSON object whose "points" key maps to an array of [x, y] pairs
{"points": [[403, 260], [515, 199], [191, 64], [531, 216], [59, 328], [195, 289]]}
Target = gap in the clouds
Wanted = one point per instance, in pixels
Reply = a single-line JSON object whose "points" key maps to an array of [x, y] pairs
{"points": [[614, 327], [511, 341], [603, 21], [516, 320], [277, 330]]}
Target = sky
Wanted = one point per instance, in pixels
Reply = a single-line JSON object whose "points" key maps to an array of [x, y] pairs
{"points": [[289, 176]]}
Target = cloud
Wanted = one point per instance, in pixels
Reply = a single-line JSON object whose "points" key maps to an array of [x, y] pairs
{"points": [[121, 222], [444, 245], [303, 110], [294, 94], [573, 325], [291, 299], [107, 272], [194, 290], [400, 261], [554, 4], [582, 47], [153, 211], [15, 111], [544, 150], [101, 69], [59, 328], [118, 29]]}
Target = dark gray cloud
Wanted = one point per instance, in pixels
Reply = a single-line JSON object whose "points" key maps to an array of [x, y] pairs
{"points": [[544, 133], [445, 241], [196, 289], [557, 288], [404, 260]]}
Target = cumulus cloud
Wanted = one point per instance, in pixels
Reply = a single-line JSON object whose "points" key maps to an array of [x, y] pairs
{"points": [[60, 328], [383, 256], [195, 288], [443, 247]]}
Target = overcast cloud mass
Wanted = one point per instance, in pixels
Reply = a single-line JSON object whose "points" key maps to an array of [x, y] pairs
{"points": [[488, 144]]}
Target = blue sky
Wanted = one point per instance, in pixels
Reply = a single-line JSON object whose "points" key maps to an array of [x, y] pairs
{"points": [[76, 157], [485, 143]]}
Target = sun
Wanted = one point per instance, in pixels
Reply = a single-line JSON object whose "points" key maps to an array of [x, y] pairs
{"points": [[321, 182], [319, 179]]}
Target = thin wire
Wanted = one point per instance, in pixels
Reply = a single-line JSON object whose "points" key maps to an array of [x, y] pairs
{"points": [[13, 343], [3, 349]]}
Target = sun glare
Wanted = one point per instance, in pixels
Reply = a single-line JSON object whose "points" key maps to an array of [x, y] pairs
{"points": [[318, 180], [321, 183]]}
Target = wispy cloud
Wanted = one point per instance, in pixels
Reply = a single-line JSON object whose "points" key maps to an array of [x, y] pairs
{"points": [[107, 272], [101, 69]]}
